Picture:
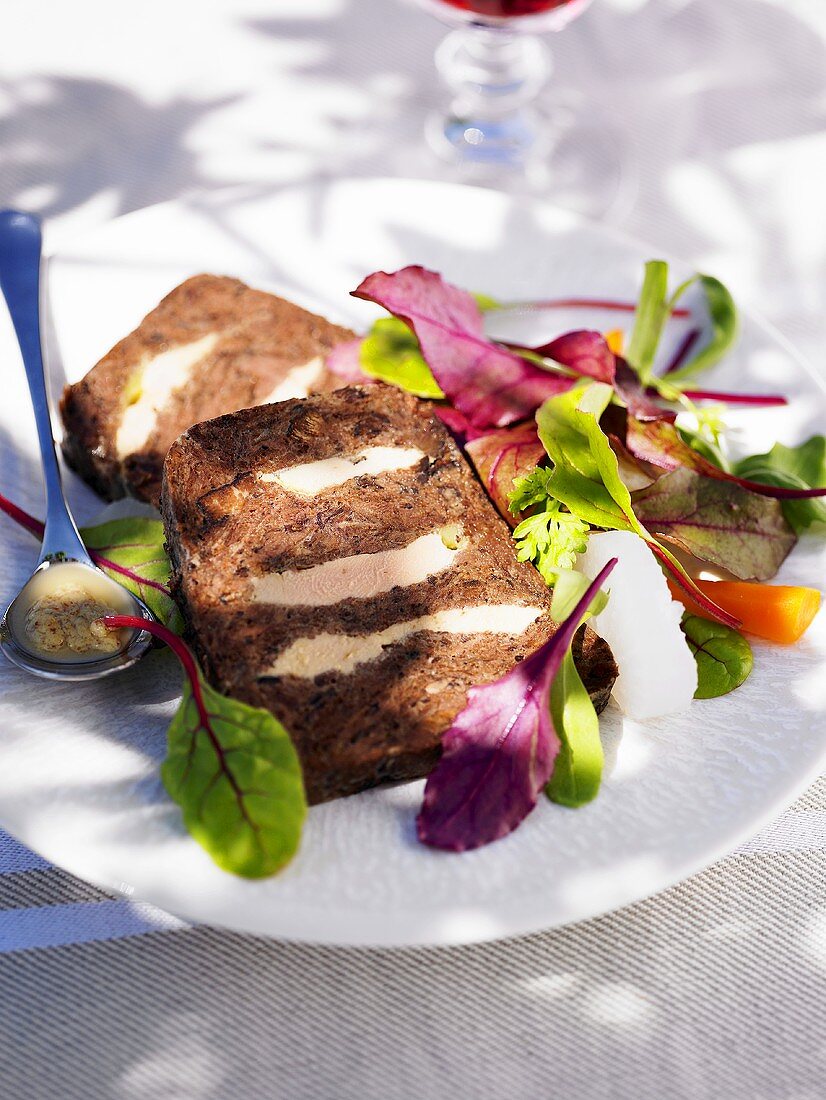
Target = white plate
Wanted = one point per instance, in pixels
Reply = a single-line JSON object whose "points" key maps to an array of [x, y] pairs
{"points": [[79, 764]]}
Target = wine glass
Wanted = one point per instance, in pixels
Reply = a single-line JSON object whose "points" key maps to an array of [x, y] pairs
{"points": [[496, 128]]}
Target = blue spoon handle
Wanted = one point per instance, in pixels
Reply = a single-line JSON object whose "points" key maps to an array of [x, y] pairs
{"points": [[20, 251]]}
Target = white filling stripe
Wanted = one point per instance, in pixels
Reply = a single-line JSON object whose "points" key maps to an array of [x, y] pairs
{"points": [[310, 657], [314, 477], [298, 382], [361, 576], [160, 375]]}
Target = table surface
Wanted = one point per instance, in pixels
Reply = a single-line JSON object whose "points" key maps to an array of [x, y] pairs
{"points": [[715, 989]]}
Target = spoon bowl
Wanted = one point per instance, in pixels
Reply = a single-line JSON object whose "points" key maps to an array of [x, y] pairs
{"points": [[12, 636]]}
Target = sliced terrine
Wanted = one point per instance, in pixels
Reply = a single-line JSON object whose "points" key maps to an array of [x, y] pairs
{"points": [[212, 346], [338, 563]]}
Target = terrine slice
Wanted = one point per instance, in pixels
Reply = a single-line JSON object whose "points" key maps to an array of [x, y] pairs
{"points": [[212, 346], [338, 563]]}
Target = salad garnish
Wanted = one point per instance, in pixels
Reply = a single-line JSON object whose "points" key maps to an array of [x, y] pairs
{"points": [[633, 416], [503, 457], [641, 624], [724, 657], [719, 523], [232, 769], [776, 612], [500, 750], [802, 467], [490, 384]]}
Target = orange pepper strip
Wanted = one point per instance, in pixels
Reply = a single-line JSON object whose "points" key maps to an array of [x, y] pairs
{"points": [[776, 612], [615, 339]]}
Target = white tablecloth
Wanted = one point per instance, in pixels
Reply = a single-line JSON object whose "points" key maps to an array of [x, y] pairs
{"points": [[717, 988]]}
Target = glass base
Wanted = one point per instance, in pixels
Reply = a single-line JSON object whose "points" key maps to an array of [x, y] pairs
{"points": [[568, 157], [502, 130], [507, 142]]}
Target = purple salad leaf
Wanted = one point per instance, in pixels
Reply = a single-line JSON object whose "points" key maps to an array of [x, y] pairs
{"points": [[500, 751], [583, 351], [457, 424], [636, 398], [344, 362], [659, 443], [501, 456], [492, 386]]}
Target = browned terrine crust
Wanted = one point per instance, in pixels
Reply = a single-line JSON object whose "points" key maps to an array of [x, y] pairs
{"points": [[225, 527], [262, 337]]}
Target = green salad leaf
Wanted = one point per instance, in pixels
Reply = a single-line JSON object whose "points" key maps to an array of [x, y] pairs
{"points": [[585, 476], [801, 467], [235, 774], [551, 537], [131, 550], [391, 353], [724, 331], [654, 308], [724, 657], [706, 437], [529, 490], [577, 772], [585, 473], [232, 769], [652, 313]]}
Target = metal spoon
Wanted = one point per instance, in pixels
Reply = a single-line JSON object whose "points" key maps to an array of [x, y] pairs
{"points": [[20, 253]]}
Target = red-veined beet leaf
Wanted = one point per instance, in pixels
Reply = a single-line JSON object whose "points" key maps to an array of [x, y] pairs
{"points": [[232, 769]]}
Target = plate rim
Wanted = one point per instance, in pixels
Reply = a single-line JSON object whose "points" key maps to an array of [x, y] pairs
{"points": [[378, 929]]}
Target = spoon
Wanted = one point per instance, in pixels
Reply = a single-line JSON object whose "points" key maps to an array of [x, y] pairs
{"points": [[20, 254]]}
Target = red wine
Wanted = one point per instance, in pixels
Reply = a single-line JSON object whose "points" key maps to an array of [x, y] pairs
{"points": [[505, 9]]}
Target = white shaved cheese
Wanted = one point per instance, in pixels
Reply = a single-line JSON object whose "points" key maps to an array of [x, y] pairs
{"points": [[311, 478], [298, 382], [361, 576], [308, 657], [641, 624], [160, 376]]}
